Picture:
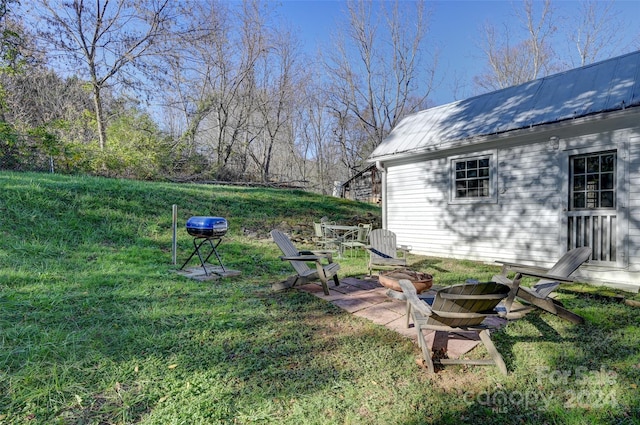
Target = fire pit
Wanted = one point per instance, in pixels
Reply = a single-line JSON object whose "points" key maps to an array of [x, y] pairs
{"points": [[422, 281], [206, 230]]}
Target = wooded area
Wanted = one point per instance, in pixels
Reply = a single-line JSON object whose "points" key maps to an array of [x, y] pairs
{"points": [[203, 91]]}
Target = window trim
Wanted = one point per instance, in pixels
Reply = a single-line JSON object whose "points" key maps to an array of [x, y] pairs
{"points": [[572, 175], [492, 155]]}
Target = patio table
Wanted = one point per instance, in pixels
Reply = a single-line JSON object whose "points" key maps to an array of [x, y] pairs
{"points": [[340, 233]]}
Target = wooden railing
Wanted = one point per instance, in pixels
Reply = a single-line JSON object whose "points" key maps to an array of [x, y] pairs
{"points": [[595, 229]]}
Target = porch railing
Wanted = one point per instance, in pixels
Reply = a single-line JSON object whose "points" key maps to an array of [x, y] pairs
{"points": [[595, 229]]}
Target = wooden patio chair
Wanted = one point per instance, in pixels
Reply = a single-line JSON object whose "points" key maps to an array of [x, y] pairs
{"points": [[320, 236], [300, 261], [361, 238], [550, 279], [457, 308], [384, 252]]}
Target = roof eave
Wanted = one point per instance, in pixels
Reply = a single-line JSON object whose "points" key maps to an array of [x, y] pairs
{"points": [[478, 141]]}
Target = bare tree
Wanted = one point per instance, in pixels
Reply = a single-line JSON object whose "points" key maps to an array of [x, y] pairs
{"points": [[39, 97], [377, 73], [594, 31], [14, 41], [277, 86], [232, 78], [103, 40], [205, 81], [511, 63], [540, 32], [314, 141]]}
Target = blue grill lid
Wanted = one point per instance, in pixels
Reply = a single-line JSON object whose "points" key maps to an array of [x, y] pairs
{"points": [[207, 226]]}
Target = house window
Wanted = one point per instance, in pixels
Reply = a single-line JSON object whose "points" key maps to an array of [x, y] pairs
{"points": [[473, 179], [593, 181]]}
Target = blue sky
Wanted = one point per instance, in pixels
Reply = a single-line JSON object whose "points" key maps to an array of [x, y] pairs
{"points": [[455, 28]]}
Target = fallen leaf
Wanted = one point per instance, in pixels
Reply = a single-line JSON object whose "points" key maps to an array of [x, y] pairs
{"points": [[173, 366]]}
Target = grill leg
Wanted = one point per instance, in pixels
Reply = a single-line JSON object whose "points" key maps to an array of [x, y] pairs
{"points": [[206, 273], [214, 251], [192, 254], [196, 250]]}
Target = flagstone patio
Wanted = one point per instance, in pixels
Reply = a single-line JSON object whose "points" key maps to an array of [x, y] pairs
{"points": [[368, 299]]}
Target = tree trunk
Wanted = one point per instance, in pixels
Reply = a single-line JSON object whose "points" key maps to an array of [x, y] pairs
{"points": [[102, 132]]}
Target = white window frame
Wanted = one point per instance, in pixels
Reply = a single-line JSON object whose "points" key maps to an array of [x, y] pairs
{"points": [[492, 155], [597, 191]]}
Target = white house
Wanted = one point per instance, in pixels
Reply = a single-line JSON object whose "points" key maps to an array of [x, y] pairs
{"points": [[525, 173]]}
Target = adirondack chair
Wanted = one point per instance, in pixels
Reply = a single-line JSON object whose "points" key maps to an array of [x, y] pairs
{"points": [[320, 236], [300, 261], [457, 308], [550, 279], [383, 250], [361, 238]]}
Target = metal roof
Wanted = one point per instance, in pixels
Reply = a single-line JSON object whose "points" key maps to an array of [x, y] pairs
{"points": [[610, 85]]}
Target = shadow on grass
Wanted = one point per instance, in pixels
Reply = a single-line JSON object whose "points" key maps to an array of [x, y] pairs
{"points": [[149, 336], [429, 263]]}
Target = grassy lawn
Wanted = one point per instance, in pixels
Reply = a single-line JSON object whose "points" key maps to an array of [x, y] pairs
{"points": [[97, 328]]}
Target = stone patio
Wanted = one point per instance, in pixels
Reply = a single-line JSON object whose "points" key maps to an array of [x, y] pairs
{"points": [[368, 299], [211, 273]]}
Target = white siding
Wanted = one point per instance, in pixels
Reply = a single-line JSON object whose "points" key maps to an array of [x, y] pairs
{"points": [[634, 201], [523, 224]]}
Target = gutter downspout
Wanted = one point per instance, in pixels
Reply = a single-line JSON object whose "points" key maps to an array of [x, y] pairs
{"points": [[383, 194]]}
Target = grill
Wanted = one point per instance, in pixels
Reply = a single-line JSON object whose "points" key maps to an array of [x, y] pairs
{"points": [[207, 227], [206, 230]]}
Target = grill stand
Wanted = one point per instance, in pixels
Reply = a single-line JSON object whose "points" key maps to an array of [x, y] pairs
{"points": [[196, 250]]}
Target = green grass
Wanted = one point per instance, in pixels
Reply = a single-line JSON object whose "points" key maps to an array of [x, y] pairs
{"points": [[97, 328]]}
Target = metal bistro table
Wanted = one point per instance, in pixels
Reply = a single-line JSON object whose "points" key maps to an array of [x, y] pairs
{"points": [[340, 233]]}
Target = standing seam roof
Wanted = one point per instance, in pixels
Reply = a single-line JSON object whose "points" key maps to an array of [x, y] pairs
{"points": [[610, 85]]}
